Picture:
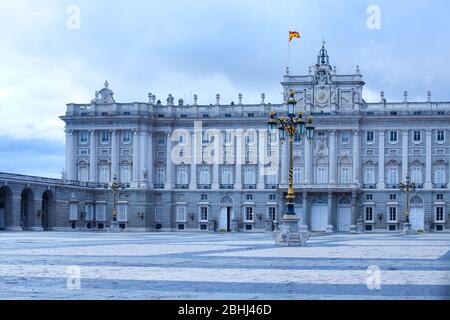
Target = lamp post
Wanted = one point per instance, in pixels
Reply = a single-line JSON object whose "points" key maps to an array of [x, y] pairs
{"points": [[407, 186], [115, 187], [288, 127]]}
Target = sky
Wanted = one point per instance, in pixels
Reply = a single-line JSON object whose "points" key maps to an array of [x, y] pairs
{"points": [[58, 52]]}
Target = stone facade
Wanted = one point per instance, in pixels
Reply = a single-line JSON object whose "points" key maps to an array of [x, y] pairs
{"points": [[347, 179]]}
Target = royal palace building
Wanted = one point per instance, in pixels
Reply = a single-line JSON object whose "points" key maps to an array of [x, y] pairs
{"points": [[215, 167]]}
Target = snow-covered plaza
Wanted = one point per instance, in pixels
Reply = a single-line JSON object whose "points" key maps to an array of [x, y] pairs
{"points": [[234, 266]]}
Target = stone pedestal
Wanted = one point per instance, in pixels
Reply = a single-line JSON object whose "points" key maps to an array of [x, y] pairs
{"points": [[114, 227], [407, 229], [289, 234], [353, 229]]}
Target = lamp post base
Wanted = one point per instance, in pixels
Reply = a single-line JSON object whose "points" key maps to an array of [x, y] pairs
{"points": [[114, 227], [289, 234], [407, 230]]}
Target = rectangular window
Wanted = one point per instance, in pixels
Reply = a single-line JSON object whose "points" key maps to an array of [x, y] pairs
{"points": [[204, 197], [84, 137], [161, 139], [369, 214], [392, 214], [158, 214], [181, 214], [322, 175], [160, 175], [439, 214], [104, 137], [392, 197], [369, 175], [440, 196], [122, 213], [249, 176], [440, 136], [369, 197], [205, 177], [297, 175], [100, 212], [126, 136], [417, 136], [73, 212], [370, 137], [203, 214], [272, 213], [272, 197], [249, 197], [393, 136], [393, 176], [345, 175], [248, 213], [89, 208], [227, 176], [345, 137]]}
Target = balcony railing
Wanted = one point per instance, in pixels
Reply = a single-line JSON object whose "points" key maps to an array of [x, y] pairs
{"points": [[440, 186], [204, 186], [226, 186], [182, 186]]}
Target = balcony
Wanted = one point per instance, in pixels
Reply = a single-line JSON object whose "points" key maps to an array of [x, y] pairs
{"points": [[249, 186], [226, 186], [440, 186], [204, 186], [272, 186], [182, 186], [159, 186], [369, 186], [392, 186]]}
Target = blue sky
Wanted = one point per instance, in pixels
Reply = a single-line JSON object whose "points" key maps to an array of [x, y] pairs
{"points": [[197, 46]]}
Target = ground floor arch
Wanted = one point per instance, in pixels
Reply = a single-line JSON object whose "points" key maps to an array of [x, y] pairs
{"points": [[417, 214], [6, 218], [27, 208], [48, 212]]}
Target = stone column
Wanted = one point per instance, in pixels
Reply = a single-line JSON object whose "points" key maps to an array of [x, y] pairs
{"points": [[70, 155], [169, 163], [428, 162], [135, 182], [308, 162], [239, 160], [305, 223], [193, 183], [381, 181], [93, 157], [332, 160], [150, 165], [357, 157], [405, 158], [284, 164], [330, 227], [353, 227], [114, 155], [143, 150]]}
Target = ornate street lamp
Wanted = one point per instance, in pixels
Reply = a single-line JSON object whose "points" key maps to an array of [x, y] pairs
{"points": [[407, 186], [288, 127], [115, 187]]}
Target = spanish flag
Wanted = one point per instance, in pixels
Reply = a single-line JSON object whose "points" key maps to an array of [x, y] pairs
{"points": [[293, 34]]}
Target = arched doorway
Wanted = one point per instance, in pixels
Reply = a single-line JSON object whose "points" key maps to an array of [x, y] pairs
{"points": [[26, 208], [417, 214], [6, 219], [226, 213], [48, 210], [344, 215], [319, 214]]}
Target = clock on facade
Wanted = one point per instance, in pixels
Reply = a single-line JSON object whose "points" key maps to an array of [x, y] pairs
{"points": [[322, 96]]}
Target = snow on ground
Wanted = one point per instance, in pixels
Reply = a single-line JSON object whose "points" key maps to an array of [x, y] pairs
{"points": [[222, 266]]}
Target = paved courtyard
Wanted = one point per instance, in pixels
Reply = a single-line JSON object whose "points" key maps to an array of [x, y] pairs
{"points": [[222, 266]]}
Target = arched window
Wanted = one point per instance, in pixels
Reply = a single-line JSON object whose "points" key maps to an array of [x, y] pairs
{"points": [[182, 176], [227, 176], [369, 175], [104, 173], [160, 175], [83, 173], [249, 176], [205, 177], [416, 174], [440, 174], [393, 175], [125, 173]]}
